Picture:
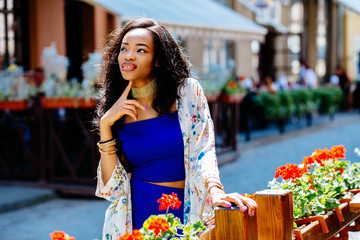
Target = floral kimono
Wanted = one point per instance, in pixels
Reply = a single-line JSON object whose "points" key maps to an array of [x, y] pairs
{"points": [[199, 159]]}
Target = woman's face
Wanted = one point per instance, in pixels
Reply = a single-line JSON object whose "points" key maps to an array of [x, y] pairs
{"points": [[136, 56]]}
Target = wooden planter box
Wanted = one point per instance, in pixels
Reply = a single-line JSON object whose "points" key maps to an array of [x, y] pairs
{"points": [[274, 217], [328, 225], [14, 105], [51, 103]]}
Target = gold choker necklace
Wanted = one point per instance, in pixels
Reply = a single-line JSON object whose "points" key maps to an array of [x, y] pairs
{"points": [[144, 91]]}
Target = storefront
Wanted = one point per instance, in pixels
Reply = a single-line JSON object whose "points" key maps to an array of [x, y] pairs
{"points": [[207, 29]]}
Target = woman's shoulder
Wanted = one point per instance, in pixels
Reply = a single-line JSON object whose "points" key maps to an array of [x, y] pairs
{"points": [[191, 84]]}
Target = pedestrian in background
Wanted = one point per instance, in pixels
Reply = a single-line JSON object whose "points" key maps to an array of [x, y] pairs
{"points": [[302, 71], [344, 82], [155, 119], [310, 78]]}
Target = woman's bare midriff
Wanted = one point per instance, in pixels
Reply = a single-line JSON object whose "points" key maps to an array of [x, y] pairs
{"points": [[177, 184]]}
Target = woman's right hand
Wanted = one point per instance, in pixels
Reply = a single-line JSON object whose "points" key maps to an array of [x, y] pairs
{"points": [[121, 107]]}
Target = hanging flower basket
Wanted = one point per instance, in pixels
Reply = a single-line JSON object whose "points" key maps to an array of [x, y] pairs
{"points": [[51, 103], [14, 105]]}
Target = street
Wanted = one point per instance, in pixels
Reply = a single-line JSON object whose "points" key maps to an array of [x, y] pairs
{"points": [[83, 218]]}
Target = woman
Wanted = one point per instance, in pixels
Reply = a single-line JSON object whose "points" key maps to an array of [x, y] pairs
{"points": [[160, 121]]}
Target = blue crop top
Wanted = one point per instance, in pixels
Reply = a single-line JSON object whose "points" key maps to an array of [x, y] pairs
{"points": [[155, 148]]}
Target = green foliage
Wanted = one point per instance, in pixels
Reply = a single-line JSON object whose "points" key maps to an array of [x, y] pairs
{"points": [[304, 101], [189, 231], [321, 188], [276, 106], [233, 87], [298, 102], [329, 99]]}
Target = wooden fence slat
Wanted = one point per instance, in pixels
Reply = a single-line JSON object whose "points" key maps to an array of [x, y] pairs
{"points": [[274, 215], [355, 204], [233, 224]]}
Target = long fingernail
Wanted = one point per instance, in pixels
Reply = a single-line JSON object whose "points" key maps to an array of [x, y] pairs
{"points": [[145, 108], [228, 204], [244, 209]]}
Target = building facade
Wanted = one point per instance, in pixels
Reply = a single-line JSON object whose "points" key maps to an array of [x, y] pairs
{"points": [[81, 27]]}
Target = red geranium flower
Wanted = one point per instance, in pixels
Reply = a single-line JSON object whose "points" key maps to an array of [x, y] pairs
{"points": [[135, 235], [340, 170], [232, 84], [308, 161], [57, 235], [290, 171], [158, 225], [252, 196], [336, 152], [60, 235], [126, 236], [167, 201]]}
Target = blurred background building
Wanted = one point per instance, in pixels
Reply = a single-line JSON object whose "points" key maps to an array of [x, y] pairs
{"points": [[266, 35]]}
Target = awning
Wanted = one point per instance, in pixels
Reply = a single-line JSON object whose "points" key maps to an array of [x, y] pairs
{"points": [[188, 18], [352, 4], [261, 17]]}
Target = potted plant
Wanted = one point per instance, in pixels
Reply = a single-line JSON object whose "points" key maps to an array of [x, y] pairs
{"points": [[14, 89], [233, 91], [213, 80], [166, 226], [60, 93]]}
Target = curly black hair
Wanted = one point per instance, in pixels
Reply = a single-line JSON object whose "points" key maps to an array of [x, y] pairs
{"points": [[172, 70]]}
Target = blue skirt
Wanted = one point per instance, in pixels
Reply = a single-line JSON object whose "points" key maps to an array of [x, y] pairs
{"points": [[144, 198]]}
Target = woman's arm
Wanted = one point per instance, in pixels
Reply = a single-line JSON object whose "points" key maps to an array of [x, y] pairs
{"points": [[204, 152], [121, 107], [108, 161]]}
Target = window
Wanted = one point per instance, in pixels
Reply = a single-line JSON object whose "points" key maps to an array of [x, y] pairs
{"points": [[7, 43], [13, 16]]}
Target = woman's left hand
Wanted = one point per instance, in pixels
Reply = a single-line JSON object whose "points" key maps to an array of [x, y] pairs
{"points": [[224, 200]]}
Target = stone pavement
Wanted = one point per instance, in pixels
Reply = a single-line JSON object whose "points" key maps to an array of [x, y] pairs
{"points": [[83, 218], [15, 198]]}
